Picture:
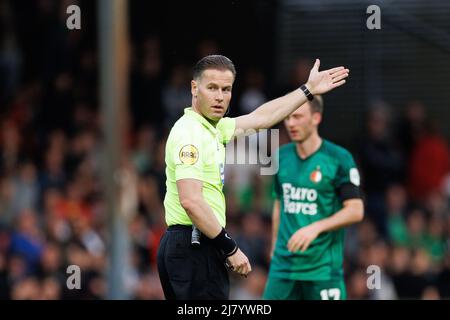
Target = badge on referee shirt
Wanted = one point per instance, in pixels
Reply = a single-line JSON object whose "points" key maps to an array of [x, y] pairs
{"points": [[188, 154]]}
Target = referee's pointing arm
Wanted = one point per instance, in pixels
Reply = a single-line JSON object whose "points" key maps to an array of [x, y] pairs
{"points": [[272, 112]]}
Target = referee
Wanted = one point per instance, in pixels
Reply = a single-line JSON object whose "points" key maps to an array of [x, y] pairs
{"points": [[195, 159]]}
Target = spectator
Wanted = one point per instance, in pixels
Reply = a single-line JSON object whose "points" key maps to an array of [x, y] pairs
{"points": [[396, 206], [26, 188], [381, 163], [357, 286], [429, 164], [146, 84], [176, 94], [252, 238], [410, 126]]}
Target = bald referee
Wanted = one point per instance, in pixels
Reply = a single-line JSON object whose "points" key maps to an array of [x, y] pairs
{"points": [[195, 159]]}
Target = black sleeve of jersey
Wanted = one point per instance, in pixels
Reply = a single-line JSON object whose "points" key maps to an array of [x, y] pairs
{"points": [[349, 191]]}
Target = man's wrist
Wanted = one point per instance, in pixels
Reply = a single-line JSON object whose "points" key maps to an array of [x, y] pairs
{"points": [[310, 87], [307, 90], [225, 244], [319, 226]]}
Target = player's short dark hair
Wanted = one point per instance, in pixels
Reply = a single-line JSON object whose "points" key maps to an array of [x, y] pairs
{"points": [[217, 62], [316, 104]]}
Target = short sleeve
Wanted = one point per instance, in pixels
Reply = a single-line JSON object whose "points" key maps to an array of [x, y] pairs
{"points": [[276, 188], [347, 172], [226, 127], [187, 155]]}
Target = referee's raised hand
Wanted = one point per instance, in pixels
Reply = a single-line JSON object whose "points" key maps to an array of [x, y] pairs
{"points": [[320, 82], [238, 262]]}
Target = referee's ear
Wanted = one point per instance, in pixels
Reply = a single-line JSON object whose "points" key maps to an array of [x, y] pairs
{"points": [[194, 88]]}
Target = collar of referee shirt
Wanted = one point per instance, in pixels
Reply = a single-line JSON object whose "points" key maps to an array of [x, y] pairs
{"points": [[190, 112]]}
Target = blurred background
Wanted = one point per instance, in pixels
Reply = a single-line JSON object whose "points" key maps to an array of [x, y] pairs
{"points": [[393, 115]]}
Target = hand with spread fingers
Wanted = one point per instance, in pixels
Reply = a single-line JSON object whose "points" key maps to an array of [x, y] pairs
{"points": [[320, 82]]}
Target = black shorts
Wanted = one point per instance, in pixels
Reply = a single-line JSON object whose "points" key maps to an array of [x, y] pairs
{"points": [[187, 272]]}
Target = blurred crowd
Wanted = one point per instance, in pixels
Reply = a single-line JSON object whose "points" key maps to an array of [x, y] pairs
{"points": [[52, 208]]}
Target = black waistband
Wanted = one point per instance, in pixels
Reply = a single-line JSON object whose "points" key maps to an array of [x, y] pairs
{"points": [[179, 227]]}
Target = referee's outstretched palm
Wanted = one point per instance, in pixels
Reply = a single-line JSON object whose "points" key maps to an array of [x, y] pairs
{"points": [[320, 82]]}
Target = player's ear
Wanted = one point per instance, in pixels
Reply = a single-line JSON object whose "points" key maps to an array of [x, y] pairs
{"points": [[194, 88], [317, 118]]}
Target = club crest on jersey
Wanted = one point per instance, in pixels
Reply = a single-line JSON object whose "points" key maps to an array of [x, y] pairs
{"points": [[316, 175], [188, 154]]}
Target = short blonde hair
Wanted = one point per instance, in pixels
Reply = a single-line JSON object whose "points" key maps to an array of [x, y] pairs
{"points": [[316, 104]]}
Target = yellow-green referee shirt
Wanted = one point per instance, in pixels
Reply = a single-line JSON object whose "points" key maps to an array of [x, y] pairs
{"points": [[196, 149]]}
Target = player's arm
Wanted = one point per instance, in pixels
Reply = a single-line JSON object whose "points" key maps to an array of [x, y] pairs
{"points": [[272, 112], [202, 216], [275, 224], [351, 212]]}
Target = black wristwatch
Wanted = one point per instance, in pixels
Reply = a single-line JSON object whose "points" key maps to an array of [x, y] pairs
{"points": [[307, 93]]}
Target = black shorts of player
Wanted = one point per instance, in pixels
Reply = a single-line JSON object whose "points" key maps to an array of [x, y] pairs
{"points": [[191, 273]]}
